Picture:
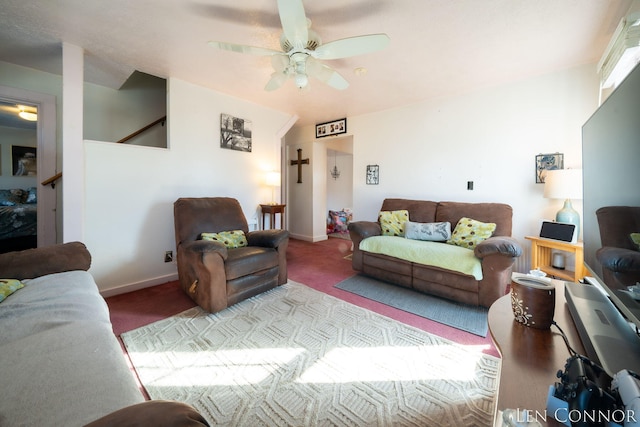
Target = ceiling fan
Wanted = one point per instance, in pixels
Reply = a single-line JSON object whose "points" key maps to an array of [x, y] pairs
{"points": [[302, 50]]}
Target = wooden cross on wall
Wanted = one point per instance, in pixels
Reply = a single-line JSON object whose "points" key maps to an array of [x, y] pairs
{"points": [[300, 162]]}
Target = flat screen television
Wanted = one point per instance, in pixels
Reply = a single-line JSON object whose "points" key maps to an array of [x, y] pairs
{"points": [[611, 177], [611, 168]]}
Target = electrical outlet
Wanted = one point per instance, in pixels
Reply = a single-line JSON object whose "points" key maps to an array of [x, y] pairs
{"points": [[168, 256]]}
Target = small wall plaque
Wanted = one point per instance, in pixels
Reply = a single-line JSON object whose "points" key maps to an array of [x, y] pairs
{"points": [[373, 174], [547, 162]]}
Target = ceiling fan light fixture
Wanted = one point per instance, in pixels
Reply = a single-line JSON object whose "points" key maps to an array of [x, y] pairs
{"points": [[314, 41], [301, 80], [28, 115], [302, 48]]}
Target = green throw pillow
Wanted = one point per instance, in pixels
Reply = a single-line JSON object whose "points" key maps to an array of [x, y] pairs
{"points": [[9, 286], [231, 239], [392, 222], [469, 232], [635, 238]]}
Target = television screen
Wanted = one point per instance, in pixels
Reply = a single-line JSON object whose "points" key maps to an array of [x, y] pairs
{"points": [[611, 175]]}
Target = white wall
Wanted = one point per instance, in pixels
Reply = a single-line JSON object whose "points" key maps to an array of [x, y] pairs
{"points": [[73, 156], [130, 190], [430, 150], [300, 196]]}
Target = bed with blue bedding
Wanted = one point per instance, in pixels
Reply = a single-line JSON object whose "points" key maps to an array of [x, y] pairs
{"points": [[18, 219]]}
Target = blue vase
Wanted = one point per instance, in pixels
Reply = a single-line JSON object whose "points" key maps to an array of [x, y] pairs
{"points": [[569, 215]]}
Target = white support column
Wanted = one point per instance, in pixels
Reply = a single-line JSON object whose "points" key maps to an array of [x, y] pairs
{"points": [[73, 176], [284, 171]]}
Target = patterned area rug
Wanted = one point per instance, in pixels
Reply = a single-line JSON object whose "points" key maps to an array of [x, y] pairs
{"points": [[295, 356]]}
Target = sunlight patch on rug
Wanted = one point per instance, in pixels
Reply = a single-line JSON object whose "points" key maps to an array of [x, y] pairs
{"points": [[296, 356]]}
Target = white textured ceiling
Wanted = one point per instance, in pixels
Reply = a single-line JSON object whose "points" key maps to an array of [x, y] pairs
{"points": [[438, 47]]}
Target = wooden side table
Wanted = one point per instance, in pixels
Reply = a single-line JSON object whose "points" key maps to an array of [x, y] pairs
{"points": [[531, 357], [541, 255], [272, 210]]}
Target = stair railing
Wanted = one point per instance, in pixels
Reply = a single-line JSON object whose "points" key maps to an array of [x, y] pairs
{"points": [[52, 180], [138, 132]]}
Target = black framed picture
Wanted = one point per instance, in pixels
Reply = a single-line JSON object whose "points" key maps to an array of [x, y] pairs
{"points": [[235, 133], [335, 127], [23, 161], [373, 174], [547, 162]]}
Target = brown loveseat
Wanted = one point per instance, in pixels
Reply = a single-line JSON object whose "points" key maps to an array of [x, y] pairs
{"points": [[497, 253]]}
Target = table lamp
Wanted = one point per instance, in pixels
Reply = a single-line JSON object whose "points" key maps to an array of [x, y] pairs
{"points": [[273, 180], [565, 184]]}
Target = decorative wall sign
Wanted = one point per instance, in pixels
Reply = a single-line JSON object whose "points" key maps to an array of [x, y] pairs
{"points": [[373, 174], [331, 128], [24, 161], [235, 133], [547, 162]]}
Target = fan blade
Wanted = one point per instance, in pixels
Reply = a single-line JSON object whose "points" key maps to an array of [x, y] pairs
{"points": [[280, 62], [351, 46], [294, 22], [326, 74], [276, 81], [239, 48]]}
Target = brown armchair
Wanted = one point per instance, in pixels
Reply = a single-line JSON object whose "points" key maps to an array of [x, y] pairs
{"points": [[619, 256], [213, 275]]}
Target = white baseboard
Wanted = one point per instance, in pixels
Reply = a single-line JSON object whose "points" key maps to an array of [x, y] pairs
{"points": [[306, 238], [130, 287]]}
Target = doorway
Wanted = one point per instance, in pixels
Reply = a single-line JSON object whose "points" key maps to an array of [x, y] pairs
{"points": [[339, 200], [27, 158]]}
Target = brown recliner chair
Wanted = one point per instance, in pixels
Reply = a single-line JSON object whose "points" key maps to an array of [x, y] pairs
{"points": [[619, 256], [213, 275]]}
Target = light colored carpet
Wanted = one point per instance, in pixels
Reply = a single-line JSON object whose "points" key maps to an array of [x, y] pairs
{"points": [[460, 316], [295, 356]]}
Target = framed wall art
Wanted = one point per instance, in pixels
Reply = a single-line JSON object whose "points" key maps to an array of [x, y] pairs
{"points": [[23, 161], [373, 174], [335, 127], [547, 162], [235, 133]]}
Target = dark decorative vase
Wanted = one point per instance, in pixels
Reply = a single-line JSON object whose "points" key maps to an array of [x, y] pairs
{"points": [[533, 301]]}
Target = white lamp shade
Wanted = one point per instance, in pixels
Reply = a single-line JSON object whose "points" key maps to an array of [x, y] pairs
{"points": [[563, 184], [273, 179]]}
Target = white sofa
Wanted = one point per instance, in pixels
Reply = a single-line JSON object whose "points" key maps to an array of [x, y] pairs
{"points": [[60, 363]]}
